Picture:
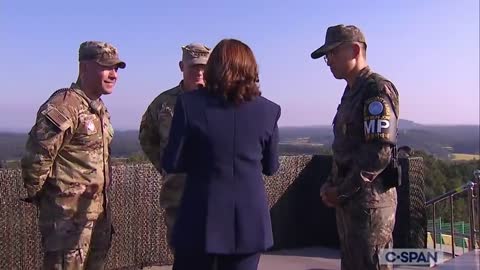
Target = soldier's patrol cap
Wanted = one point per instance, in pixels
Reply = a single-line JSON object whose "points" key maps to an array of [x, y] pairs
{"points": [[337, 35], [103, 53], [195, 54]]}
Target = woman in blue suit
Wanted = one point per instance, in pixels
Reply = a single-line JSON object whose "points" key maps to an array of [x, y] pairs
{"points": [[224, 137]]}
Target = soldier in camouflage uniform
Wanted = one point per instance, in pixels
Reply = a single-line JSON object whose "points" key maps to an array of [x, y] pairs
{"points": [[155, 127], [365, 131], [66, 165]]}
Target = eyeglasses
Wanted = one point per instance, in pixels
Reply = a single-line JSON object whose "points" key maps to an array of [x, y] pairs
{"points": [[337, 49], [329, 54], [332, 52]]}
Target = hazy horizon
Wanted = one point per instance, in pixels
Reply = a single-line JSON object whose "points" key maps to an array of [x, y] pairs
{"points": [[21, 130], [428, 49]]}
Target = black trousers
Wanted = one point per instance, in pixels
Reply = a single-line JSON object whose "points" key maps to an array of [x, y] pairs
{"points": [[189, 261]]}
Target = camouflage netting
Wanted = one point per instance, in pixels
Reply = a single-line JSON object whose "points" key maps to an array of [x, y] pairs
{"points": [[411, 228], [298, 217]]}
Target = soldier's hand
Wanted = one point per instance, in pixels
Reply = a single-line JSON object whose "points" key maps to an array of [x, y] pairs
{"points": [[91, 192], [323, 187], [32, 200], [329, 196]]}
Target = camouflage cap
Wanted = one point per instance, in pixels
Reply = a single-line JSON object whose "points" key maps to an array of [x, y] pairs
{"points": [[103, 53], [195, 54], [337, 35]]}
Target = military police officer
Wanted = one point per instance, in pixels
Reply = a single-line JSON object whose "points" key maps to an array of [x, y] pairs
{"points": [[155, 127], [362, 183], [66, 165]]}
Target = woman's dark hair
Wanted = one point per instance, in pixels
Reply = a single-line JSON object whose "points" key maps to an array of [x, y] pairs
{"points": [[232, 72]]}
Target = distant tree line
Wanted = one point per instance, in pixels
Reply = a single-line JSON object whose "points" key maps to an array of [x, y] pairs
{"points": [[303, 149], [441, 176], [440, 141]]}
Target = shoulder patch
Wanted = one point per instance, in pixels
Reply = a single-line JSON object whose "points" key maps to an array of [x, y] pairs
{"points": [[57, 118], [166, 109], [379, 121], [375, 107]]}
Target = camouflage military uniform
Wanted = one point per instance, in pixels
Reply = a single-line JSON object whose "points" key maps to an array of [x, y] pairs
{"points": [[154, 132], [153, 136], [366, 218], [365, 132], [66, 172]]}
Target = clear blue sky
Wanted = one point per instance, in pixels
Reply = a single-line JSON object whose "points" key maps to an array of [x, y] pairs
{"points": [[429, 49]]}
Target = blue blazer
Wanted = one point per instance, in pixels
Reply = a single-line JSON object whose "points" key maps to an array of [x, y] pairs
{"points": [[223, 149]]}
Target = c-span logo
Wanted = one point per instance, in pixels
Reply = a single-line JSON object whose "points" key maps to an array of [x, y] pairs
{"points": [[398, 256]]}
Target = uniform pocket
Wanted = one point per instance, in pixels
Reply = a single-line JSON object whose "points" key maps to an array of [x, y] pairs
{"points": [[88, 132]]}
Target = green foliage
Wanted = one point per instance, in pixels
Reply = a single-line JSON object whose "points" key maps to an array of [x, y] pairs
{"points": [[441, 176], [137, 157], [303, 149]]}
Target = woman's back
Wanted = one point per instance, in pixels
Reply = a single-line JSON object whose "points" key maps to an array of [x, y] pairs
{"points": [[224, 152], [224, 137], [227, 140]]}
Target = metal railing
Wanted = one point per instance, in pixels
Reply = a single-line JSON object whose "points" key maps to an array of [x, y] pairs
{"points": [[473, 199]]}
